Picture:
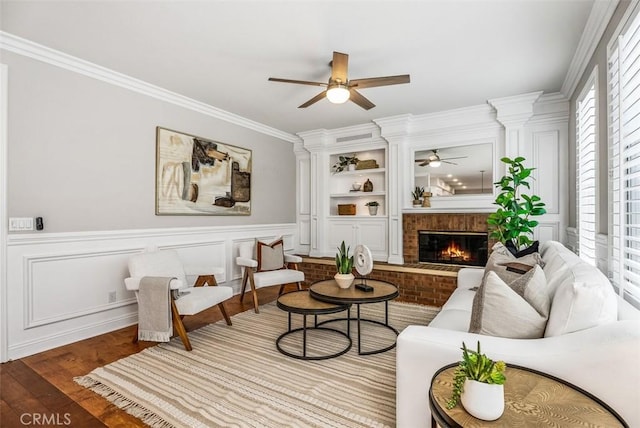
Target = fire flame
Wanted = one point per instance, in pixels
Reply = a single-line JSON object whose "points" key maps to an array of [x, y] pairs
{"points": [[453, 251]]}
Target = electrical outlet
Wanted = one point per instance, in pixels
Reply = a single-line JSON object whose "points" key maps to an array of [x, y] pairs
{"points": [[112, 297], [20, 223]]}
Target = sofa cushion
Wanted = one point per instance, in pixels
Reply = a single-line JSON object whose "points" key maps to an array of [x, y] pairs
{"points": [[579, 305], [270, 255], [500, 310]]}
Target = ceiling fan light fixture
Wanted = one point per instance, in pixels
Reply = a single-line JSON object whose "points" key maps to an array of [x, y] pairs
{"points": [[435, 163], [338, 94]]}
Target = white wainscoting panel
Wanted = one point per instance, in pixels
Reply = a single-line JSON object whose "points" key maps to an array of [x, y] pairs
{"points": [[61, 286], [546, 158]]}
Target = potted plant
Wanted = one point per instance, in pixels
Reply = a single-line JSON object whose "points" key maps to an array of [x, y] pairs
{"points": [[511, 222], [417, 194], [348, 162], [478, 382], [344, 264], [373, 207]]}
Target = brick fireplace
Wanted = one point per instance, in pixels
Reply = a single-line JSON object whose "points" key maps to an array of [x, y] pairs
{"points": [[442, 222]]}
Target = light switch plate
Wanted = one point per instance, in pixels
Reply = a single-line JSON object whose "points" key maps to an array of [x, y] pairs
{"points": [[20, 223]]}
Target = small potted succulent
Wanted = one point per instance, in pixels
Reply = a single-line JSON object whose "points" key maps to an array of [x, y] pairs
{"points": [[345, 162], [373, 207], [417, 194], [478, 382], [344, 264]]}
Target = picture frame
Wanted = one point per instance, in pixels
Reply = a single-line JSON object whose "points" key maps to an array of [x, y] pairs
{"points": [[200, 176]]}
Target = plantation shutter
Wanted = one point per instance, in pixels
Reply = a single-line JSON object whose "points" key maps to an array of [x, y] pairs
{"points": [[624, 157], [586, 173]]}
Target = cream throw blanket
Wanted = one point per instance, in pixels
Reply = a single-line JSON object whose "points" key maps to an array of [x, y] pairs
{"points": [[154, 309]]}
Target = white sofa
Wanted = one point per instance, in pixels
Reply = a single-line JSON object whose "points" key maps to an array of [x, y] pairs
{"points": [[603, 360]]}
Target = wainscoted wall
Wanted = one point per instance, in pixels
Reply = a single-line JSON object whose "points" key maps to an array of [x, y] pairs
{"points": [[66, 287]]}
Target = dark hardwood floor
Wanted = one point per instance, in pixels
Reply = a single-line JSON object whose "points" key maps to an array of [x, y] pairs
{"points": [[39, 390]]}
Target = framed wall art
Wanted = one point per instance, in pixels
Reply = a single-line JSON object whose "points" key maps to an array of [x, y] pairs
{"points": [[198, 176]]}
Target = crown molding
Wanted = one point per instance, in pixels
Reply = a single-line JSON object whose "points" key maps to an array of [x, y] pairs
{"points": [[24, 47], [516, 110], [599, 18]]}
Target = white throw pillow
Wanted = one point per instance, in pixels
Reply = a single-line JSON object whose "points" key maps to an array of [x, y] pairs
{"points": [[578, 306]]}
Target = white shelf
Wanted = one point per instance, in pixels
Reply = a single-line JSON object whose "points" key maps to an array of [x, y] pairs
{"points": [[359, 194], [359, 172]]}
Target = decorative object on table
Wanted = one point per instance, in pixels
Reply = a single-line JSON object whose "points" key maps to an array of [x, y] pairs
{"points": [[345, 162], [367, 186], [344, 264], [479, 383], [356, 186], [197, 176], [373, 207], [426, 202], [367, 164], [510, 223], [417, 194], [363, 262], [346, 209]]}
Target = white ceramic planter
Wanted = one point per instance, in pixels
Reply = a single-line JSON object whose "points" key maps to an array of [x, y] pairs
{"points": [[482, 400], [373, 209], [344, 280]]}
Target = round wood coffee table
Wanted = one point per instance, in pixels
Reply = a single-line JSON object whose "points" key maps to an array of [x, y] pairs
{"points": [[328, 291], [299, 302], [532, 398]]}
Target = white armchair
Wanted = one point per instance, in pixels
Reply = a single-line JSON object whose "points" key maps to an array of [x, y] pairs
{"points": [[280, 269], [204, 294]]}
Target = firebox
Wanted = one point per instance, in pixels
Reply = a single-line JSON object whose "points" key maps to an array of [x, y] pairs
{"points": [[460, 248]]}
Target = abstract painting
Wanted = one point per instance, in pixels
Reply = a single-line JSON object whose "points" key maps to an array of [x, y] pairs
{"points": [[199, 176]]}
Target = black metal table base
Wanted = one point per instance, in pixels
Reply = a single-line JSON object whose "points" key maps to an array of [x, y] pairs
{"points": [[304, 329], [360, 320]]}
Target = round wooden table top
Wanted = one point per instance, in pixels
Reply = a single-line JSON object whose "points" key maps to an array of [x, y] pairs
{"points": [[531, 398], [328, 291], [300, 302]]}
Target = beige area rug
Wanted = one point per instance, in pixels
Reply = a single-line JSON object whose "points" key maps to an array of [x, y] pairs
{"points": [[235, 376]]}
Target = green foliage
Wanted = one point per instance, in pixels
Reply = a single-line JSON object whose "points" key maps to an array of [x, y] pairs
{"points": [[372, 204], [344, 262], [475, 366], [344, 161], [511, 220], [417, 193]]}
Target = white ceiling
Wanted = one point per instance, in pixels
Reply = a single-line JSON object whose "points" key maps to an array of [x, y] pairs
{"points": [[458, 53]]}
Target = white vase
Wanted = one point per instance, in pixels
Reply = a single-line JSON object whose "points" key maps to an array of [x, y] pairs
{"points": [[483, 400], [344, 280], [373, 209]]}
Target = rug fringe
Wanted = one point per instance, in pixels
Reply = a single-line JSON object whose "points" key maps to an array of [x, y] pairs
{"points": [[123, 403]]}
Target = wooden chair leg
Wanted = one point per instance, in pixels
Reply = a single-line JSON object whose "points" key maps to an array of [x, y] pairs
{"points": [[245, 277], [254, 292], [179, 327], [203, 280], [224, 313], [135, 335], [299, 286]]}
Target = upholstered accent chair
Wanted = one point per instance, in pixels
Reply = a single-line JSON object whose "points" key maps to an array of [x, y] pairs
{"points": [[269, 266], [185, 299]]}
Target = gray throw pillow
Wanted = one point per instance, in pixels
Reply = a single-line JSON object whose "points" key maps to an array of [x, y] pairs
{"points": [[501, 256], [519, 310]]}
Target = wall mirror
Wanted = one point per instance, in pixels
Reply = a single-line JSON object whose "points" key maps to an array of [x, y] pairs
{"points": [[455, 170]]}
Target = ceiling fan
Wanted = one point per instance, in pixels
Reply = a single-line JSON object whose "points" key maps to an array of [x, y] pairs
{"points": [[340, 89], [435, 161]]}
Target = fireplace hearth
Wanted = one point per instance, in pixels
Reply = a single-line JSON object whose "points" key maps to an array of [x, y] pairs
{"points": [[459, 248]]}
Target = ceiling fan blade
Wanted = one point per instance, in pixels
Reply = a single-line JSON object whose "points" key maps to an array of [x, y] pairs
{"points": [[299, 82], [359, 99], [426, 162], [339, 67], [451, 163], [379, 81], [459, 157], [314, 100]]}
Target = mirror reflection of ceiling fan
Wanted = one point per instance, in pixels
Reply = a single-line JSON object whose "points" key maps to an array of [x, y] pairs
{"points": [[435, 161], [340, 89]]}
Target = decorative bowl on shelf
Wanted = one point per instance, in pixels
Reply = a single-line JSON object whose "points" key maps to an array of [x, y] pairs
{"points": [[356, 186]]}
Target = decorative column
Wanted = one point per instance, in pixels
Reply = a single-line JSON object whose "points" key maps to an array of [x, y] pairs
{"points": [[315, 142], [395, 131], [303, 195], [513, 113]]}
